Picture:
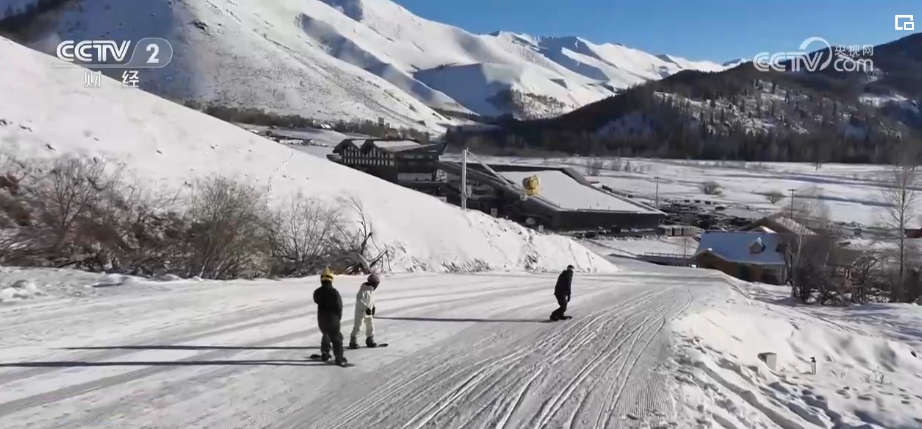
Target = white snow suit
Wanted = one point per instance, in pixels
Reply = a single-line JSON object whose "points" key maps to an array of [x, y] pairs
{"points": [[364, 301]]}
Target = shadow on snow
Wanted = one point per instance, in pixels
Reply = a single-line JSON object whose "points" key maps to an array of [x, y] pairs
{"points": [[170, 347], [77, 364], [447, 319]]}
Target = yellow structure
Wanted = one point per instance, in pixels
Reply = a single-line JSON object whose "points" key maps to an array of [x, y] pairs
{"points": [[531, 185]]}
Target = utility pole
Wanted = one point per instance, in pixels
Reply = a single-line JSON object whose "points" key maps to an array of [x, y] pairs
{"points": [[656, 198], [792, 203], [464, 179]]}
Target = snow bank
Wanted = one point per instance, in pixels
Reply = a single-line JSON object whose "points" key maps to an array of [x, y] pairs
{"points": [[632, 247], [19, 290], [46, 112], [865, 376]]}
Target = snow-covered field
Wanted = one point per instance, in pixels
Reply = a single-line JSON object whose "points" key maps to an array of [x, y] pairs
{"points": [[851, 192], [46, 112], [334, 59]]}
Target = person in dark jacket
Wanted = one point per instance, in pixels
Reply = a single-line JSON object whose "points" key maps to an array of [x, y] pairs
{"points": [[562, 293], [329, 315]]}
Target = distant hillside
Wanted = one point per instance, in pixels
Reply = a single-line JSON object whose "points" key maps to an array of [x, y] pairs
{"points": [[747, 114], [346, 59]]}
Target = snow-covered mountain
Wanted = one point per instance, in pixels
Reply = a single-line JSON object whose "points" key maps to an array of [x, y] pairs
{"points": [[334, 59], [47, 112]]}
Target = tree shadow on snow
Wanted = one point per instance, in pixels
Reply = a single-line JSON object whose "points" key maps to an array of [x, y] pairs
{"points": [[446, 319], [169, 347], [77, 364]]}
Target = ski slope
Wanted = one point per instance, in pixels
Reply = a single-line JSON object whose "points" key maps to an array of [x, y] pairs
{"points": [[337, 59], [46, 112], [648, 347], [465, 351]]}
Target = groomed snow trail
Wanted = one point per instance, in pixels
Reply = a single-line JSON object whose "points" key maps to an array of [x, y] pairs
{"points": [[465, 351]]}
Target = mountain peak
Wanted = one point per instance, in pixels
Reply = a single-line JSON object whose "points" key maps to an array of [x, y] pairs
{"points": [[362, 59], [354, 9]]}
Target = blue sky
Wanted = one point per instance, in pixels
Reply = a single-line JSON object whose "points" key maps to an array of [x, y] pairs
{"points": [[718, 30]]}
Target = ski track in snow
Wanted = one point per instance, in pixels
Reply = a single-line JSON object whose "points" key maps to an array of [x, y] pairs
{"points": [[476, 352]]}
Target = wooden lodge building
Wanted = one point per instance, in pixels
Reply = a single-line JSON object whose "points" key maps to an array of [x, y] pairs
{"points": [[402, 161]]}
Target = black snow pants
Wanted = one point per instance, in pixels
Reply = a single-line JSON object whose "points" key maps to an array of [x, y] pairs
{"points": [[559, 313], [329, 327]]}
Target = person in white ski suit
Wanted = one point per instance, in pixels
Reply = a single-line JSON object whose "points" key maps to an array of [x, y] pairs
{"points": [[365, 313]]}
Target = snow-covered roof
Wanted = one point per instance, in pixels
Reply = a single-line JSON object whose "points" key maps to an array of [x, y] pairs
{"points": [[355, 143], [394, 145], [737, 247], [385, 145], [779, 223], [567, 193], [789, 224]]}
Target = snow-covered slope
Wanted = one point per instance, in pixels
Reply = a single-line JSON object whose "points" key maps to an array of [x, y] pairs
{"points": [[472, 354], [45, 111], [835, 367], [335, 59]]}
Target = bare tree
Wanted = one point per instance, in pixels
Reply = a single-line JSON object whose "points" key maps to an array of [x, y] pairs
{"points": [[356, 249], [12, 209], [594, 166], [807, 248], [710, 188], [226, 238], [67, 192], [616, 164], [899, 199], [300, 235], [864, 276], [774, 196], [132, 228]]}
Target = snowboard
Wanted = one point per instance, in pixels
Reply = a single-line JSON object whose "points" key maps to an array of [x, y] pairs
{"points": [[558, 320], [316, 357], [366, 347]]}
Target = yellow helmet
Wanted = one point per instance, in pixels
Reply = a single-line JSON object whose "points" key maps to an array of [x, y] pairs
{"points": [[326, 275]]}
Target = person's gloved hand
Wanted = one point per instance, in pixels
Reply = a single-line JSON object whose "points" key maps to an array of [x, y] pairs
{"points": [[368, 312], [373, 310]]}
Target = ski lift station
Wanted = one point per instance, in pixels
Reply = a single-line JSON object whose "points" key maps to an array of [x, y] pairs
{"points": [[554, 198]]}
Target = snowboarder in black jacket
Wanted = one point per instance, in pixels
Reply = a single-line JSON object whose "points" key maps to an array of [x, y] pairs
{"points": [[329, 315], [562, 293]]}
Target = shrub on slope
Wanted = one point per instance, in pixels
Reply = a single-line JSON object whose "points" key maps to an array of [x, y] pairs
{"points": [[83, 213], [46, 112]]}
